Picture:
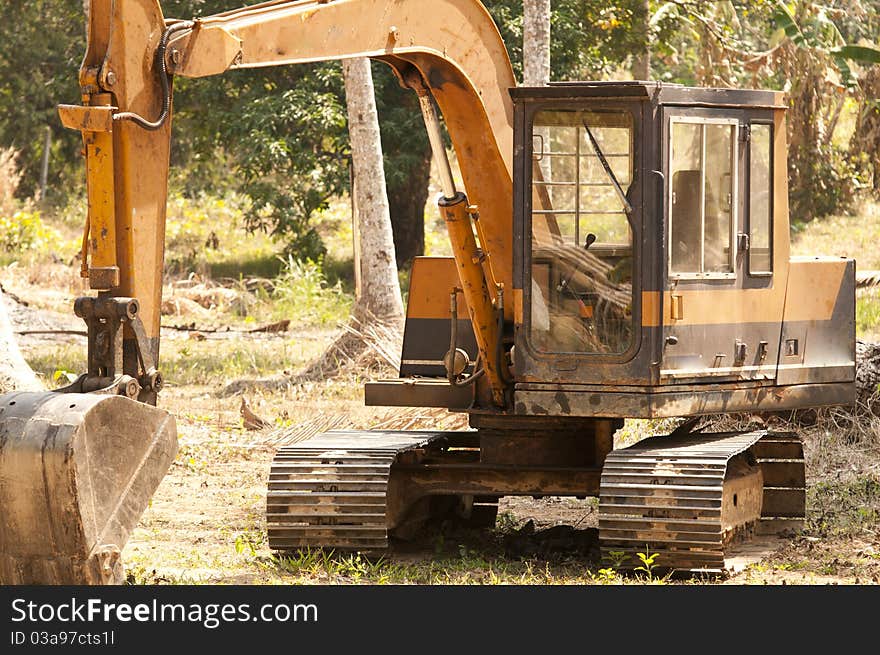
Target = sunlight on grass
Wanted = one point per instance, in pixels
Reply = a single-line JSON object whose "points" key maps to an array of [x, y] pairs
{"points": [[207, 235], [868, 314], [853, 236], [185, 362], [857, 237]]}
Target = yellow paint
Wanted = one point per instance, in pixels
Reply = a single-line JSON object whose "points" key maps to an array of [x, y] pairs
{"points": [[101, 200], [85, 118], [431, 282], [650, 308], [475, 290], [813, 287]]}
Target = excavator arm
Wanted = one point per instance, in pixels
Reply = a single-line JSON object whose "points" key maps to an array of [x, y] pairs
{"points": [[457, 58], [78, 466]]}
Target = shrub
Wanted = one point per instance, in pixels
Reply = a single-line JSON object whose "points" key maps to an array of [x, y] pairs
{"points": [[25, 231]]}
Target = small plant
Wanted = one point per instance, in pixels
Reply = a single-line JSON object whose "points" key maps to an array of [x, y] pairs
{"points": [[303, 561], [244, 545], [606, 576], [647, 563], [301, 292], [506, 522], [62, 377], [616, 558]]}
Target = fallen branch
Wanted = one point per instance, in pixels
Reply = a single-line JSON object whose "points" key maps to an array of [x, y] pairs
{"points": [[15, 374], [16, 298], [278, 326], [79, 333]]}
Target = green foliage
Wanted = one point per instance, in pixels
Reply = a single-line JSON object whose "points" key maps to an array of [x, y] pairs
{"points": [[301, 293], [41, 46], [25, 232], [590, 39], [868, 313], [815, 52], [850, 506], [286, 130], [208, 234]]}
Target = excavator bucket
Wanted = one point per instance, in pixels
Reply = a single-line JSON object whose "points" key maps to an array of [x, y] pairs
{"points": [[76, 473]]}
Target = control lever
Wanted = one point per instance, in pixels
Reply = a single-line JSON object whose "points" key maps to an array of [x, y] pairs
{"points": [[589, 241]]}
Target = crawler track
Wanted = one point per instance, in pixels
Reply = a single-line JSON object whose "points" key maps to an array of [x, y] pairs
{"points": [[331, 491], [687, 498]]}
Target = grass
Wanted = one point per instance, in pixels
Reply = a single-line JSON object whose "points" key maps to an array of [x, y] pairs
{"points": [[188, 362], [868, 314], [848, 507], [207, 235], [854, 236], [302, 293]]}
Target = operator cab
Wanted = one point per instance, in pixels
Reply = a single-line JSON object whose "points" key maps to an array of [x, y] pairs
{"points": [[651, 250]]}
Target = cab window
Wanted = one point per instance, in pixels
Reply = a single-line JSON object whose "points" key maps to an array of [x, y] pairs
{"points": [[760, 200], [582, 265], [702, 187]]}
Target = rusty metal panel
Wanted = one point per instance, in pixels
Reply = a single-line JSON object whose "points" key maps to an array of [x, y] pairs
{"points": [[818, 331], [785, 502], [426, 334], [87, 119]]}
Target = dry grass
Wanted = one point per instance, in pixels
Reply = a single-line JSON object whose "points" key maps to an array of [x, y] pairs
{"points": [[365, 349], [854, 235]]}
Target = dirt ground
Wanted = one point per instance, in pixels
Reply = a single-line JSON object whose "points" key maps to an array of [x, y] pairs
{"points": [[205, 523]]}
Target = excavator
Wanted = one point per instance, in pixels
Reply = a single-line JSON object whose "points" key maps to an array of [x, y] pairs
{"points": [[620, 250]]}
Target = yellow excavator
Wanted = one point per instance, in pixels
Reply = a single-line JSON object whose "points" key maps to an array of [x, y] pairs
{"points": [[620, 250]]}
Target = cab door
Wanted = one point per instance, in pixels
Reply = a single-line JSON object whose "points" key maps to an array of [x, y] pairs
{"points": [[722, 307]]}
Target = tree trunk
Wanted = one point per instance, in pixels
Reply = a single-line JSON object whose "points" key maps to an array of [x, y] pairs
{"points": [[641, 69], [406, 201], [380, 297], [377, 316], [15, 374], [536, 42]]}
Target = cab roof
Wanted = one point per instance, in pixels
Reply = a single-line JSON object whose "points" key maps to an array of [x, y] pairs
{"points": [[658, 93]]}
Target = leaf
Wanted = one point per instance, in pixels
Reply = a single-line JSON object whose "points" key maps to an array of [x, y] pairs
{"points": [[785, 20], [66, 375], [862, 54], [667, 9]]}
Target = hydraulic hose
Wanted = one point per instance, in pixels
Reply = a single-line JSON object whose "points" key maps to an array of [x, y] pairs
{"points": [[164, 77]]}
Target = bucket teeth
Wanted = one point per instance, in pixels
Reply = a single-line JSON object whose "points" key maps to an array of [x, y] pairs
{"points": [[690, 500], [331, 491]]}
